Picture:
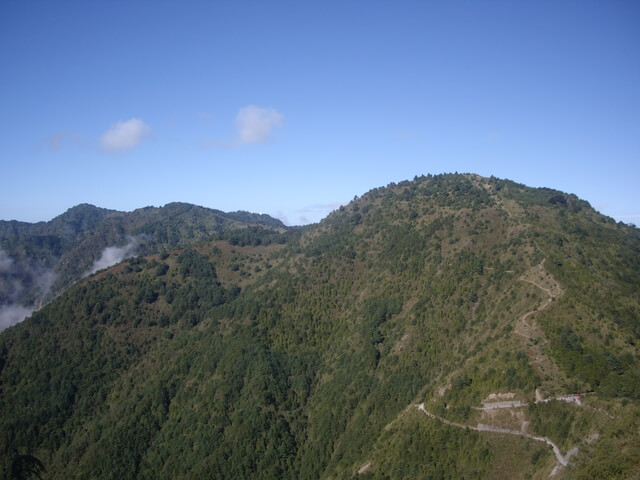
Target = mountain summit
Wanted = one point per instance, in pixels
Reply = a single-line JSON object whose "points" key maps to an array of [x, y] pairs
{"points": [[453, 326]]}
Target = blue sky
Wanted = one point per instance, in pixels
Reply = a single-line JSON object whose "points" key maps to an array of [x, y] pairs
{"points": [[293, 108]]}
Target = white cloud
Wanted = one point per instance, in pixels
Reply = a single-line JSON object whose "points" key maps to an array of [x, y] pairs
{"points": [[6, 261], [124, 136], [112, 255], [40, 282], [254, 124], [12, 314]]}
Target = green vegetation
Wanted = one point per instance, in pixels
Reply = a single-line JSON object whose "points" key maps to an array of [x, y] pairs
{"points": [[48, 257], [413, 448], [247, 350]]}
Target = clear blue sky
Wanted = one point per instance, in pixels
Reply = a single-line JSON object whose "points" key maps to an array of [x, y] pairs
{"points": [[292, 108]]}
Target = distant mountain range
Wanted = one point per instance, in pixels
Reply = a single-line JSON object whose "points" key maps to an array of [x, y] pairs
{"points": [[452, 326], [38, 261]]}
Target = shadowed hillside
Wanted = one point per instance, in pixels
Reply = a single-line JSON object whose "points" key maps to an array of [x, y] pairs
{"points": [[39, 261]]}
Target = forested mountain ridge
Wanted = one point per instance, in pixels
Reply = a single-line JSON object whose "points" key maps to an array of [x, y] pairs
{"points": [[307, 357], [39, 261]]}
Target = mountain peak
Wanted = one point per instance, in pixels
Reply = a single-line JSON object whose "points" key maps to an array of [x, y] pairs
{"points": [[446, 327]]}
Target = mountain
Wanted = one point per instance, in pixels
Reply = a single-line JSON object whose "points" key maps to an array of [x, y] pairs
{"points": [[452, 326], [39, 261]]}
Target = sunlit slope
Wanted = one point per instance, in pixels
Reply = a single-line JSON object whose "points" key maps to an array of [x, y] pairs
{"points": [[309, 359]]}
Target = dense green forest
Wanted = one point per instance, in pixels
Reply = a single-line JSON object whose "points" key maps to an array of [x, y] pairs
{"points": [[39, 261], [264, 352]]}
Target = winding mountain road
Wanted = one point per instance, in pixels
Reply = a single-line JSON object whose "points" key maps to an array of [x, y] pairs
{"points": [[526, 326], [562, 460], [543, 280]]}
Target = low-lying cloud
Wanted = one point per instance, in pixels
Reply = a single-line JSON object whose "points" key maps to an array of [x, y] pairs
{"points": [[113, 255], [254, 124], [6, 262], [12, 314], [124, 136], [22, 280]]}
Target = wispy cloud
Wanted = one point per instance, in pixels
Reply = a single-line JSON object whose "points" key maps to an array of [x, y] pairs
{"points": [[61, 140], [280, 215], [6, 262], [54, 142], [15, 290], [315, 213], [124, 136], [254, 124], [12, 314], [112, 255]]}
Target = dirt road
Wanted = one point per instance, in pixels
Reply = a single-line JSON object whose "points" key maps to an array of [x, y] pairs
{"points": [[562, 460]]}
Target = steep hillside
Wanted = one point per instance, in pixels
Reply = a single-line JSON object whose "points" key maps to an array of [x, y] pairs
{"points": [[438, 328], [39, 261]]}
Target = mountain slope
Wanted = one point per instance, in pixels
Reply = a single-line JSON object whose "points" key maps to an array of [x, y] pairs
{"points": [[39, 261], [308, 359]]}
